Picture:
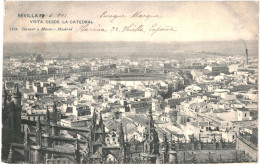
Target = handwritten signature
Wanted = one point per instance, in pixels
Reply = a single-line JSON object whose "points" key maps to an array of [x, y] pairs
{"points": [[137, 14]]}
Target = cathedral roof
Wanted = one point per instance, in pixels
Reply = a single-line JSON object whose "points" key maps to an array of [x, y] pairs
{"points": [[96, 155]]}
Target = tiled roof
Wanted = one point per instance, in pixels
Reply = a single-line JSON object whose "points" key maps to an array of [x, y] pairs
{"points": [[242, 109], [203, 123], [141, 119]]}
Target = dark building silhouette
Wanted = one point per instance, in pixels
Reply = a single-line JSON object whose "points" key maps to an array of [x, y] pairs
{"points": [[151, 141], [42, 142], [246, 56], [97, 139], [11, 119], [99, 150]]}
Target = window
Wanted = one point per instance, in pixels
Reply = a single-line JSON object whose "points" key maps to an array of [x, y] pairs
{"points": [[245, 114], [113, 139]]}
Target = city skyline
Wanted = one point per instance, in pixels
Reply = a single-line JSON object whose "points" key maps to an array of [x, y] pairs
{"points": [[145, 49]]}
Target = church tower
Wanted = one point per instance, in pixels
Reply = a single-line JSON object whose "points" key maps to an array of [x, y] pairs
{"points": [[151, 141], [97, 139], [124, 147]]}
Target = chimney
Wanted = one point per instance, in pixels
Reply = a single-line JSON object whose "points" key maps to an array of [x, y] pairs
{"points": [[246, 56]]}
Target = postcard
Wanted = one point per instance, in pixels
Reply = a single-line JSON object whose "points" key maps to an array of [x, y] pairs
{"points": [[130, 82]]}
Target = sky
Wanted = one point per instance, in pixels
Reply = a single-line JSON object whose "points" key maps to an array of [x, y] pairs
{"points": [[191, 21]]}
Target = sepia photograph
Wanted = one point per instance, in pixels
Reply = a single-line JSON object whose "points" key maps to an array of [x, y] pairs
{"points": [[130, 82]]}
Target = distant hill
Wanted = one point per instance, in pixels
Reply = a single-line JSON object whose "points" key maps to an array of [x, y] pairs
{"points": [[144, 49]]}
